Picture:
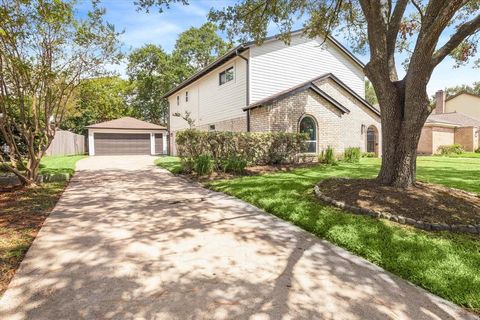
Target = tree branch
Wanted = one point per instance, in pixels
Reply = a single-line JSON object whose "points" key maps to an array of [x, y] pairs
{"points": [[462, 33]]}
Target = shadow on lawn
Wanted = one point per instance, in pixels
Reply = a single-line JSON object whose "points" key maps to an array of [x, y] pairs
{"points": [[119, 245]]}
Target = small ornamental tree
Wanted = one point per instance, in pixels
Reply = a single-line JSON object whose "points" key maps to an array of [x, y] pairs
{"points": [[426, 32], [45, 52]]}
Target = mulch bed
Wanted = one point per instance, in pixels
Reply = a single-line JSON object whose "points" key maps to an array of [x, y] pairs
{"points": [[427, 202], [23, 211], [256, 170]]}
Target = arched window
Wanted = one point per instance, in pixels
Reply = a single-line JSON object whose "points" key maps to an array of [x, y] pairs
{"points": [[372, 138], [308, 126]]}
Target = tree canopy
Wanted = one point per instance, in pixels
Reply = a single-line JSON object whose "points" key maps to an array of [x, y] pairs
{"points": [[98, 100], [45, 52], [154, 71]]}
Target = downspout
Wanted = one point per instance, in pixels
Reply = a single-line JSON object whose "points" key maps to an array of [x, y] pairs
{"points": [[168, 130], [248, 87]]}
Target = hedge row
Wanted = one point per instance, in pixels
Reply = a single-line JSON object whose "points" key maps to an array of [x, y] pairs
{"points": [[255, 148]]}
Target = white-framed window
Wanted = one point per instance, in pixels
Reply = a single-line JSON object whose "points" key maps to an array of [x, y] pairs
{"points": [[178, 100], [309, 126], [211, 127], [226, 76], [186, 96]]}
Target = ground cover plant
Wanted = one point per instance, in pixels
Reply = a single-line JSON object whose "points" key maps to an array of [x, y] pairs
{"points": [[23, 211]]}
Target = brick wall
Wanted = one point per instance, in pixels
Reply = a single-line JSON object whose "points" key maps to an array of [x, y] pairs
{"points": [[235, 125], [425, 142], [442, 137], [466, 137], [333, 128]]}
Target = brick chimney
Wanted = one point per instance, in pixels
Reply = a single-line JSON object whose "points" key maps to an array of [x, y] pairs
{"points": [[440, 102]]}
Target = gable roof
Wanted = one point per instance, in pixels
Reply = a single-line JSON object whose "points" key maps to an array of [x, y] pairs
{"points": [[241, 48], [126, 123], [311, 85], [460, 93], [453, 118]]}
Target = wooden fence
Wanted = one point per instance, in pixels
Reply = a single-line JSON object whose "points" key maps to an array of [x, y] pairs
{"points": [[66, 143]]}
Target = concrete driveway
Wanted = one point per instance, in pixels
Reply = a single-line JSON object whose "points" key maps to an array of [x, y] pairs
{"points": [[131, 241]]}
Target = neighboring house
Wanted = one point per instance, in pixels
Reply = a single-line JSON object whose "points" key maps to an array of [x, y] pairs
{"points": [[310, 85], [464, 102], [126, 136], [452, 121]]}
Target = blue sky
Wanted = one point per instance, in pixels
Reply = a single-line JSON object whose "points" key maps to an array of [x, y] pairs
{"points": [[163, 29]]}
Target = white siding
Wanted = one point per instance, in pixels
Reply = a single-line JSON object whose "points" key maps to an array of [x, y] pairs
{"points": [[208, 101], [275, 66]]}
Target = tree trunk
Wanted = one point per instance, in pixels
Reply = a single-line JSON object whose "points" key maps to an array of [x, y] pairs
{"points": [[404, 110], [399, 156]]}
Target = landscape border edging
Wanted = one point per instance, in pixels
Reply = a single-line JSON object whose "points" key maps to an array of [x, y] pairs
{"points": [[419, 224]]}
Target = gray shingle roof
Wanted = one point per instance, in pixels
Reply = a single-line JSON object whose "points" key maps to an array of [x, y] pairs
{"points": [[127, 123], [454, 118], [310, 85]]}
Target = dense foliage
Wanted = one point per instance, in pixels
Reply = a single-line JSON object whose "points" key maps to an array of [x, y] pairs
{"points": [[446, 150], [352, 154], [45, 52], [98, 100], [231, 151], [153, 71]]}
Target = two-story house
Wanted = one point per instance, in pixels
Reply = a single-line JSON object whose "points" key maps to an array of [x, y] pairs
{"points": [[310, 85]]}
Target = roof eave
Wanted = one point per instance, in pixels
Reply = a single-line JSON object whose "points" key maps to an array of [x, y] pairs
{"points": [[220, 61]]}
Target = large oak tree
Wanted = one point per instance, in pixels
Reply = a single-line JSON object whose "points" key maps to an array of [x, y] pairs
{"points": [[425, 32]]}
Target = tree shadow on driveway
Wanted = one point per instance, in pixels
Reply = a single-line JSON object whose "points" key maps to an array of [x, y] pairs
{"points": [[145, 244]]}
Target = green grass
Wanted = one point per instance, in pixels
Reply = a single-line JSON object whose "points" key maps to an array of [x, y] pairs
{"points": [[59, 164], [444, 263], [466, 155], [172, 164], [23, 211]]}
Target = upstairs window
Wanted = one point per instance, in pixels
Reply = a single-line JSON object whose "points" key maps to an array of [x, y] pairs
{"points": [[186, 96], [178, 100], [225, 76]]}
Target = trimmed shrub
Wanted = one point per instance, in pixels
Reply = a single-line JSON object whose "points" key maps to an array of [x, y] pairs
{"points": [[203, 165], [234, 164], [252, 148], [478, 150], [327, 156], [369, 155], [352, 154], [446, 150], [187, 165]]}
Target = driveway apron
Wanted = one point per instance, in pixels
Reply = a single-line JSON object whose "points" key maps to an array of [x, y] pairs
{"points": [[128, 240]]}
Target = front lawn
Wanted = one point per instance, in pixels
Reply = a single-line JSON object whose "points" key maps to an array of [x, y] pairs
{"points": [[59, 164], [172, 164], [466, 155], [444, 263], [23, 211]]}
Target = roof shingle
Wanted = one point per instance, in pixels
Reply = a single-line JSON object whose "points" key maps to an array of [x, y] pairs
{"points": [[454, 118], [127, 123]]}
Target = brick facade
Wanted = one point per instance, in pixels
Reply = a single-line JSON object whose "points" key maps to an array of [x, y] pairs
{"points": [[235, 125], [467, 137], [434, 136], [334, 128]]}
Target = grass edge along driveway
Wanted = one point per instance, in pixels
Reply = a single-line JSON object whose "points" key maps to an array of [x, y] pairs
{"points": [[444, 263], [24, 211]]}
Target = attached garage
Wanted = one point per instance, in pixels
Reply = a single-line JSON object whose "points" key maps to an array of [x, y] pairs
{"points": [[127, 136]]}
